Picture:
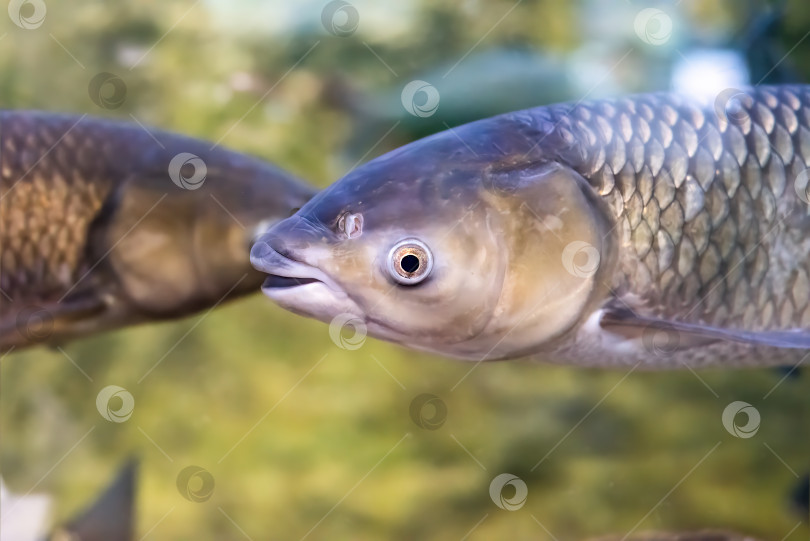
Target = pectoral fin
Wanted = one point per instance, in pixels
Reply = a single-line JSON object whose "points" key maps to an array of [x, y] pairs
{"points": [[681, 335]]}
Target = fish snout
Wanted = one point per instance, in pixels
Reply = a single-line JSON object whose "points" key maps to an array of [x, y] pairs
{"points": [[284, 272], [266, 259]]}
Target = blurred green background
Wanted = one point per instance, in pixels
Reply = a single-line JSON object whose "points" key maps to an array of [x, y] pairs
{"points": [[306, 439]]}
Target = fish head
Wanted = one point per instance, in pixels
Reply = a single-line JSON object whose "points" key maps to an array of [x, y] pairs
{"points": [[379, 260], [448, 245]]}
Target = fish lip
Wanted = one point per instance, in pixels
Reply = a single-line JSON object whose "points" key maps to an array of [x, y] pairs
{"points": [[285, 273], [300, 287]]}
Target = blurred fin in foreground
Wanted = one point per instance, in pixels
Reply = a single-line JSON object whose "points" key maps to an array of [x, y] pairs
{"points": [[111, 517], [104, 224]]}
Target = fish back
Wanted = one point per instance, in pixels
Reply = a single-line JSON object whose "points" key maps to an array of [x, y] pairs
{"points": [[710, 203]]}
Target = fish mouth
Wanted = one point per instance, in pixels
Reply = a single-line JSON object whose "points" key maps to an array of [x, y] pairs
{"points": [[300, 287], [275, 281], [284, 272]]}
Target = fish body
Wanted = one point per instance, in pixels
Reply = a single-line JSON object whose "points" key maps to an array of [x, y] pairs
{"points": [[649, 230], [105, 224]]}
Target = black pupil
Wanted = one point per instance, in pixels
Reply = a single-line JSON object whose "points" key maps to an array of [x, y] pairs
{"points": [[410, 263]]}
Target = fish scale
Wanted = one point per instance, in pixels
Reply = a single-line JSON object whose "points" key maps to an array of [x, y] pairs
{"points": [[48, 200], [702, 203]]}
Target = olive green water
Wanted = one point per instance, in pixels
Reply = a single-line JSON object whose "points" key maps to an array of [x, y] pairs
{"points": [[304, 438]]}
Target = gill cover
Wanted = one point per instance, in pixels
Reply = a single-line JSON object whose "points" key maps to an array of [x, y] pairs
{"points": [[559, 238], [146, 238]]}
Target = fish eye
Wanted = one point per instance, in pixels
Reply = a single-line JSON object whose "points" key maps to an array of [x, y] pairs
{"points": [[409, 262]]}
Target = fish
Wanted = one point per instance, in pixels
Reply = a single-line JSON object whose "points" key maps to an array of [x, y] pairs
{"points": [[653, 231], [105, 224]]}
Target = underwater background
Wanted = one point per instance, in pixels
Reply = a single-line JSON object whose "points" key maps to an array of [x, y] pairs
{"points": [[251, 422]]}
